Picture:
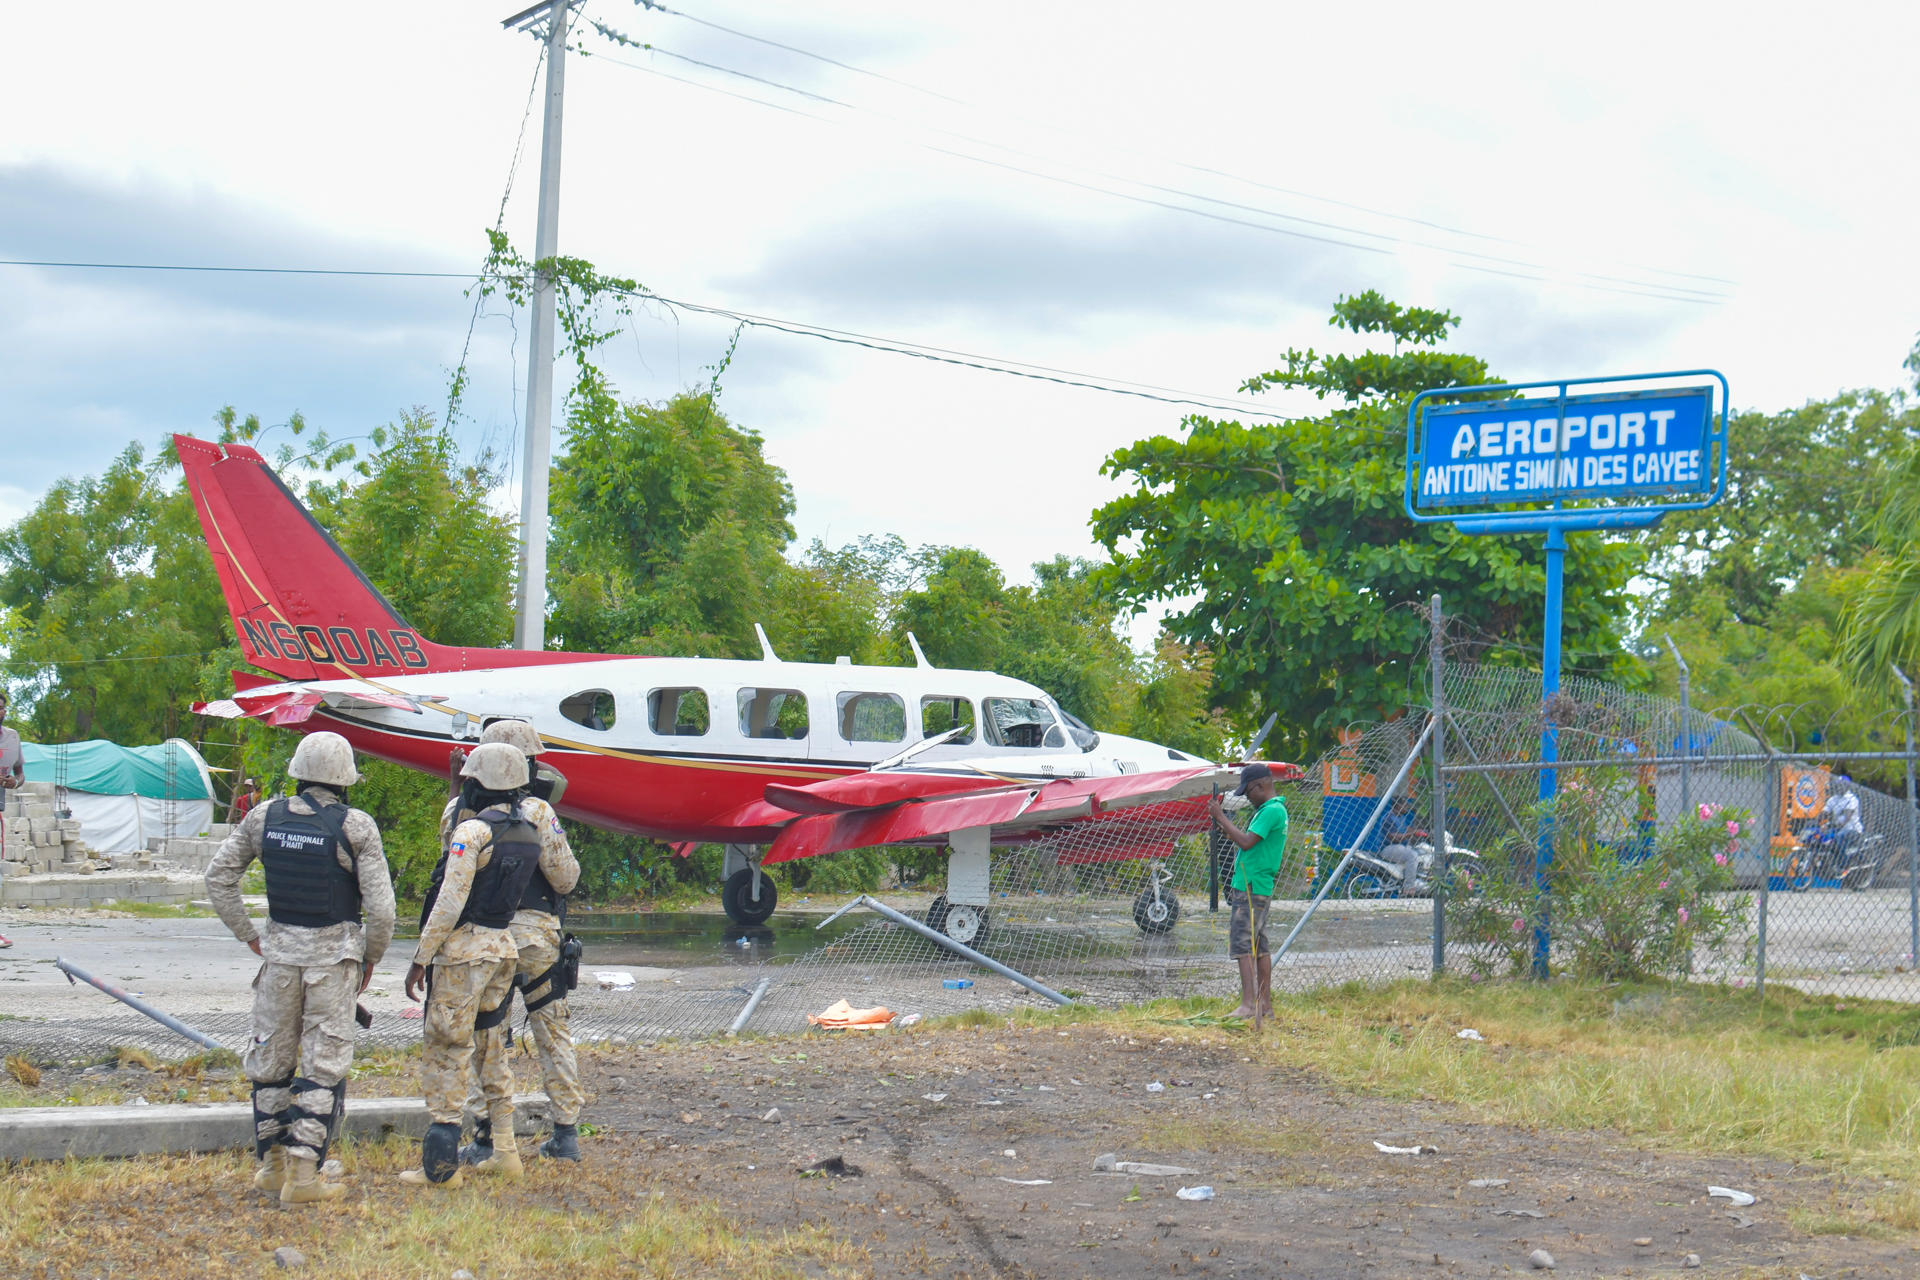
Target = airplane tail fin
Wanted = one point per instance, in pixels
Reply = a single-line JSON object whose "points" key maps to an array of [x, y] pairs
{"points": [[300, 607], [303, 610]]}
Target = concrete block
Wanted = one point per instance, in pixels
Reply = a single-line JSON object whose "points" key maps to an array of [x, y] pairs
{"points": [[59, 1133], [219, 831]]}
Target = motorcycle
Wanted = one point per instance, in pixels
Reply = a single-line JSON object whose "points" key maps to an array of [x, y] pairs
{"points": [[1371, 876]]}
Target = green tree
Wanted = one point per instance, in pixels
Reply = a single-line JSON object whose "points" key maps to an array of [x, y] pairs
{"points": [[1883, 620], [1803, 487], [1287, 554], [114, 604], [669, 526]]}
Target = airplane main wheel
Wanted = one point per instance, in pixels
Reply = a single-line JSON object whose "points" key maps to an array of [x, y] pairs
{"points": [[964, 923], [737, 900], [1156, 915]]}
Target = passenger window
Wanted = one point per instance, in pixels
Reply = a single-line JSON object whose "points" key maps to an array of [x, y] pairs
{"points": [[1022, 722], [773, 713], [872, 717], [678, 713], [590, 709], [937, 715]]}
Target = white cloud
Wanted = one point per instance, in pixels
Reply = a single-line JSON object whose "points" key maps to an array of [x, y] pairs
{"points": [[1661, 140]]}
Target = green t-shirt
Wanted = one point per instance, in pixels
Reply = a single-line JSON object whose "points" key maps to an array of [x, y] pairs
{"points": [[1255, 868]]}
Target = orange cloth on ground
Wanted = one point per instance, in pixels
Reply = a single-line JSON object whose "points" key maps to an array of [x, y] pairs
{"points": [[841, 1015]]}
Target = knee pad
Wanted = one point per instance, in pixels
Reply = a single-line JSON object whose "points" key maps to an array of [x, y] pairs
{"points": [[440, 1152], [270, 1127], [329, 1119]]}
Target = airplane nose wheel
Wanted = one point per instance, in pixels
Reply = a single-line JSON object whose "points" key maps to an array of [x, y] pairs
{"points": [[1156, 914], [961, 921], [737, 900]]}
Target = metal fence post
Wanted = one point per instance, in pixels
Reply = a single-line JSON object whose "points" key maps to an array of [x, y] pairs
{"points": [[1913, 835], [1438, 876], [1770, 793], [1686, 730]]}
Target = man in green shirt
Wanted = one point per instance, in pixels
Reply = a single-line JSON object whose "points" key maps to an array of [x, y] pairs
{"points": [[1263, 846]]}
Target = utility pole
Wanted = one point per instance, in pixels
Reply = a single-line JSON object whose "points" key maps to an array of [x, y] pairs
{"points": [[530, 603]]}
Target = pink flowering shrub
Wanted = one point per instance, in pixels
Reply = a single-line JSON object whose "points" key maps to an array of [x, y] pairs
{"points": [[1619, 907]]}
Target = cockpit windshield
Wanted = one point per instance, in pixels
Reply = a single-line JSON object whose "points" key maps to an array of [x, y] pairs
{"points": [[1022, 722]]}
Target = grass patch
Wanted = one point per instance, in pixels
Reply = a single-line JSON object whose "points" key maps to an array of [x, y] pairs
{"points": [[195, 1215], [158, 910], [1696, 1068]]}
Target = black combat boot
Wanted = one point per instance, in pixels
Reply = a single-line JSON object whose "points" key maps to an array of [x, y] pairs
{"points": [[564, 1144], [481, 1148]]}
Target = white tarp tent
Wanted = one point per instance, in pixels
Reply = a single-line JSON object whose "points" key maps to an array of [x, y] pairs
{"points": [[125, 797]]}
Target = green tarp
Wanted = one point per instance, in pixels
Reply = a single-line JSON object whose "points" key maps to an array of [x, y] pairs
{"points": [[170, 770]]}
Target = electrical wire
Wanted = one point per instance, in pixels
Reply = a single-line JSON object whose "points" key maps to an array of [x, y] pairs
{"points": [[1529, 270], [499, 220], [895, 346], [1429, 224]]}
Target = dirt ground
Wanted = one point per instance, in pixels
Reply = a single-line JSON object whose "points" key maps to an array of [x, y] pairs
{"points": [[1299, 1188], [976, 1151]]}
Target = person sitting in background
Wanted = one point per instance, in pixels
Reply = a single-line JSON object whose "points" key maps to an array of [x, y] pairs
{"points": [[1396, 831], [1840, 817]]}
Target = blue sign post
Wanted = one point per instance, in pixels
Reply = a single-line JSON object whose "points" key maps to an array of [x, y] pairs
{"points": [[1598, 449]]}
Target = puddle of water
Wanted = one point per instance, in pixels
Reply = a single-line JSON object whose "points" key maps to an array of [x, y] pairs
{"points": [[676, 939]]}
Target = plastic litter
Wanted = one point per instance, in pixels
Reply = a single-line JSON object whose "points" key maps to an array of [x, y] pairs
{"points": [[1518, 1213], [1470, 1034], [957, 984], [1740, 1198], [934, 1097], [1415, 1150], [1195, 1193], [141, 1102], [1488, 1182], [1143, 1170], [1029, 1182], [1009, 1154], [614, 981], [1156, 1087], [834, 1167], [842, 1016], [413, 1013], [907, 1020]]}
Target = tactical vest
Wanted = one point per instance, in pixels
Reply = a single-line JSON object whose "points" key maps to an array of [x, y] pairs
{"points": [[499, 886], [306, 885]]}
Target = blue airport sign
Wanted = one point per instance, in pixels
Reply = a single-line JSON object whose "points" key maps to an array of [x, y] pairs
{"points": [[1622, 444]]}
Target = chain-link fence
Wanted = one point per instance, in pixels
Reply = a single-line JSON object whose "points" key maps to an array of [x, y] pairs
{"points": [[1706, 845]]}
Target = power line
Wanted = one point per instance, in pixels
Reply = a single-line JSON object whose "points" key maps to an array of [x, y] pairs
{"points": [[1579, 279], [894, 346], [1192, 168]]}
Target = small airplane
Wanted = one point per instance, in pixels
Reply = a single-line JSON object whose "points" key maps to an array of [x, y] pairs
{"points": [[774, 760]]}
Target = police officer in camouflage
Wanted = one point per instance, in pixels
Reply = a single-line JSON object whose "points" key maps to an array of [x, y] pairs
{"points": [[541, 975], [329, 920], [491, 858]]}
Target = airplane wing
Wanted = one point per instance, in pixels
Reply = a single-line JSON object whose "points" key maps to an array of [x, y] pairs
{"points": [[1015, 812], [290, 704]]}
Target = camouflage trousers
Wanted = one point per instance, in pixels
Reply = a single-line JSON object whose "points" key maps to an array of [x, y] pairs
{"points": [[458, 994], [539, 945], [302, 1029]]}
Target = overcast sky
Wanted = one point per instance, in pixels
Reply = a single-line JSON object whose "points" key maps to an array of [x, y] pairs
{"points": [[1593, 191]]}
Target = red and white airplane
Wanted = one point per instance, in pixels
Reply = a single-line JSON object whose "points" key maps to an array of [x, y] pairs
{"points": [[776, 760]]}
